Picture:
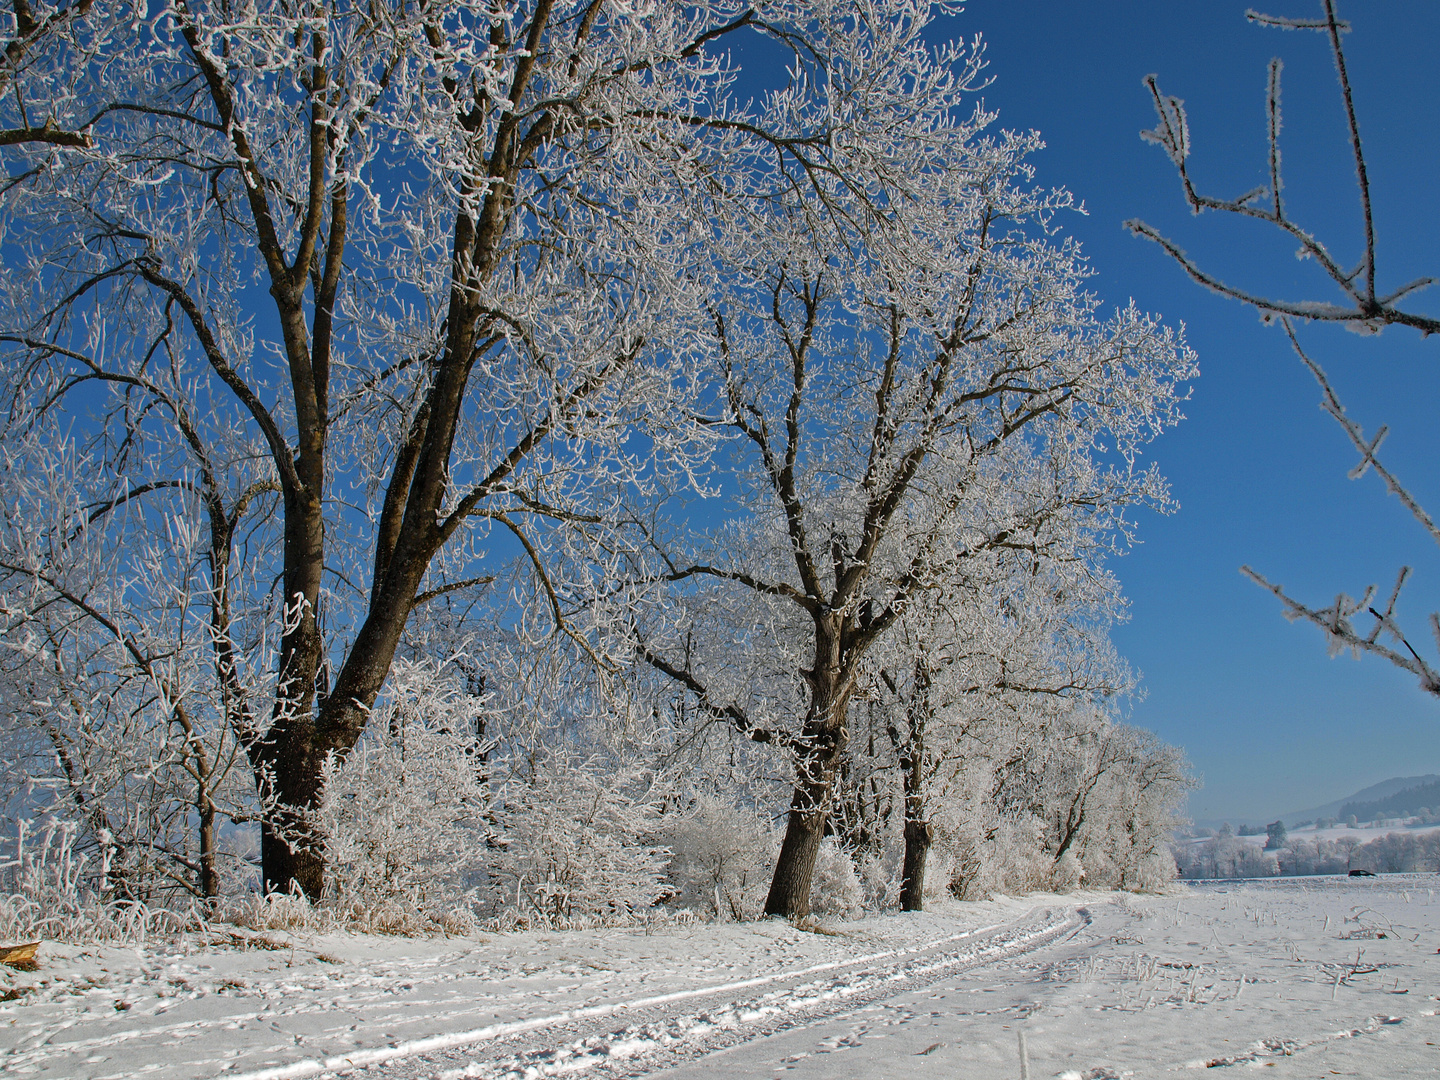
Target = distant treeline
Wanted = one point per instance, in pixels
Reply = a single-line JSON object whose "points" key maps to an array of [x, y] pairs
{"points": [[1401, 804], [1228, 856]]}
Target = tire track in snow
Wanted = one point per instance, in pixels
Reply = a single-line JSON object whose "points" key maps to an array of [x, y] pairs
{"points": [[661, 1038], [513, 1043]]}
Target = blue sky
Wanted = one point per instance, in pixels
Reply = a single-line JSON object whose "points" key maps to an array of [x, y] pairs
{"points": [[1271, 722]]}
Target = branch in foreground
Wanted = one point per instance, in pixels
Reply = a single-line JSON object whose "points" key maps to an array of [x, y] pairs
{"points": [[1331, 404], [1335, 621], [1365, 307]]}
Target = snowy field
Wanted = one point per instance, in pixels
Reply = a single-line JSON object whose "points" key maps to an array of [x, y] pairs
{"points": [[1308, 977]]}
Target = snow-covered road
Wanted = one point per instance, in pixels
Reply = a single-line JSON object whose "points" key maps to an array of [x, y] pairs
{"points": [[1308, 977], [659, 1034], [1291, 979]]}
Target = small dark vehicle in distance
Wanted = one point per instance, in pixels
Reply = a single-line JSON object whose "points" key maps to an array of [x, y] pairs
{"points": [[1362, 873]]}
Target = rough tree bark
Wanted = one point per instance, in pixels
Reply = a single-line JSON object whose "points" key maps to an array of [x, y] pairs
{"points": [[823, 739]]}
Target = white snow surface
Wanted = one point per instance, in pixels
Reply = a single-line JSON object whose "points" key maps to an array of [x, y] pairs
{"points": [[1313, 977]]}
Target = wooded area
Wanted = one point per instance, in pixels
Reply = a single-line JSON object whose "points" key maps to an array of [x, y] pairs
{"points": [[502, 461]]}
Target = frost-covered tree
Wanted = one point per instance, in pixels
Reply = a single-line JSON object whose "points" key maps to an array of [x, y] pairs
{"points": [[914, 374], [1084, 798], [102, 674], [1358, 302], [1020, 641], [363, 294], [1130, 792], [1226, 856]]}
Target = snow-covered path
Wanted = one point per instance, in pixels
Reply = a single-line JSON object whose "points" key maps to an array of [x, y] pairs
{"points": [[1314, 978], [283, 1005], [1154, 987], [659, 1033], [1310, 977]]}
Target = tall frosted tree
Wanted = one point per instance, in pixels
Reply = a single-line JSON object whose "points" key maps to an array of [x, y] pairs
{"points": [[914, 376]]}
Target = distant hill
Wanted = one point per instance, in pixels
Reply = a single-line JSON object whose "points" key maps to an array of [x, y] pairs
{"points": [[1375, 793], [1401, 804]]}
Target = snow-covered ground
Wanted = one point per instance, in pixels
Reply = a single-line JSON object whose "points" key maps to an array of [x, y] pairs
{"points": [[1312, 977]]}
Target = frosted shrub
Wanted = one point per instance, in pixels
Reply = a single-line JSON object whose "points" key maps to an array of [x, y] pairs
{"points": [[880, 871], [1153, 871], [835, 890], [942, 873], [1115, 861], [1067, 873], [278, 911], [1021, 862], [578, 844], [45, 893], [403, 814], [722, 858], [956, 860]]}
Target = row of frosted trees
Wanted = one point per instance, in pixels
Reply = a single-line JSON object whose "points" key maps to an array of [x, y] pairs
{"points": [[506, 438]]}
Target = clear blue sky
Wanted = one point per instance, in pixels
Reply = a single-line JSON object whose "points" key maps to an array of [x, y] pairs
{"points": [[1270, 721]]}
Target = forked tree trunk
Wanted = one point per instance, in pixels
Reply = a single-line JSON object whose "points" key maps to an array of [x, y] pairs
{"points": [[292, 851]]}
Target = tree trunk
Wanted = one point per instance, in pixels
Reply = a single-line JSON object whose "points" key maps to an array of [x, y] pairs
{"points": [[286, 868], [1069, 829], [919, 835], [821, 744], [285, 759], [292, 857], [795, 868], [209, 874]]}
